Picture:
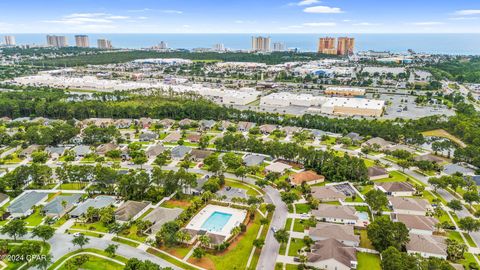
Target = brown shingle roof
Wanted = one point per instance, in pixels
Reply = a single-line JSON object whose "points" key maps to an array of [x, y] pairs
{"points": [[396, 186], [129, 209], [306, 176], [411, 204], [376, 171], [327, 193], [427, 244], [339, 232], [335, 211], [332, 249], [417, 222]]}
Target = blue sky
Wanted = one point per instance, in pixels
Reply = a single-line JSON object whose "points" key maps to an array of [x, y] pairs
{"points": [[240, 16]]}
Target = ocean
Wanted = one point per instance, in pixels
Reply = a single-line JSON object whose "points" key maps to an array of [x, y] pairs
{"points": [[454, 44]]}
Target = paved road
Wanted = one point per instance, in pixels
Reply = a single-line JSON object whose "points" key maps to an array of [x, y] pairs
{"points": [[269, 254], [61, 244]]}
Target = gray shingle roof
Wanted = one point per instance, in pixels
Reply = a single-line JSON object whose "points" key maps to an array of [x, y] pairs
{"points": [[162, 215], [25, 202], [55, 206], [97, 203], [253, 160], [180, 151]]}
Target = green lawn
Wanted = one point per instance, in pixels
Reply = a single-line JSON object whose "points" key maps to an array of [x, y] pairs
{"points": [[73, 186], [288, 224], [364, 241], [283, 249], [131, 233], [96, 226], [236, 257], [240, 185], [170, 259], [296, 244], [469, 240], [394, 177], [35, 218], [365, 189], [368, 162], [302, 208], [124, 241], [454, 235], [92, 250], [96, 263], [92, 234], [468, 260], [367, 261], [298, 225]]}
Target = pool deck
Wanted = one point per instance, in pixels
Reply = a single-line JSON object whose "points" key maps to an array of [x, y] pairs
{"points": [[238, 216]]}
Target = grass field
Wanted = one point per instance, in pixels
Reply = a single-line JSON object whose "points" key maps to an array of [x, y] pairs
{"points": [[364, 241], [96, 263], [441, 133], [96, 226], [35, 218], [73, 186], [85, 266], [302, 208], [298, 226], [367, 261], [296, 244]]}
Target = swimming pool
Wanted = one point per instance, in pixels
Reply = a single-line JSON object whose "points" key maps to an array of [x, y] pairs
{"points": [[363, 216], [216, 221]]}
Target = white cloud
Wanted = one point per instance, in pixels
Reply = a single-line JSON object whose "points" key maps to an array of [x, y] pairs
{"points": [[171, 11], [463, 18], [142, 18], [140, 10], [427, 23], [84, 15], [322, 9], [118, 17], [307, 2], [318, 24], [366, 24], [88, 20], [467, 12]]}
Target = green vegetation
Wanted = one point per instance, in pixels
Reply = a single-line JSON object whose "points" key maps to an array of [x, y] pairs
{"points": [[296, 244], [302, 208], [367, 261], [461, 69]]}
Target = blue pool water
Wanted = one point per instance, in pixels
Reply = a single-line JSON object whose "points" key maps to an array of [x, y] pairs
{"points": [[363, 216], [216, 221]]}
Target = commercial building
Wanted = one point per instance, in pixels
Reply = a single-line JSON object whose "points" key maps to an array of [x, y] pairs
{"points": [[345, 91], [57, 41], [219, 47], [345, 46], [326, 45], [261, 44], [82, 41], [284, 99], [104, 43], [279, 47], [9, 40], [353, 106]]}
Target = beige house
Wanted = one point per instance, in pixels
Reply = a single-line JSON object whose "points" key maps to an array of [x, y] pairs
{"points": [[395, 188], [327, 194], [340, 232], [331, 254], [409, 206], [417, 224], [336, 214], [427, 246]]}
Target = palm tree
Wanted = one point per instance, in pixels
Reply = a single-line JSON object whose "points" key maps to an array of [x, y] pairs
{"points": [[204, 240]]}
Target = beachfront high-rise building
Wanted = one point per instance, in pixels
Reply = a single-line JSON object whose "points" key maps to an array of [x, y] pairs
{"points": [[9, 40], [261, 44], [82, 41], [279, 47], [219, 47], [345, 46], [163, 45], [57, 41], [104, 43], [326, 45]]}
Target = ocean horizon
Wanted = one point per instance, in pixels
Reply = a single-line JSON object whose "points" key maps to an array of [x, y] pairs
{"points": [[453, 44]]}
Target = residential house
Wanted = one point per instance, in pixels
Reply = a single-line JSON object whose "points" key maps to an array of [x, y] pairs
{"points": [[97, 203], [459, 168], [187, 189], [377, 172], [22, 206], [340, 232], [245, 126], [55, 152], [27, 152], [427, 246], [355, 137], [130, 210], [308, 177], [160, 216], [81, 150], [291, 130], [396, 189], [410, 206], [336, 214], [267, 129], [199, 155], [105, 148], [179, 152], [229, 193], [194, 137], [123, 123], [330, 254], [251, 160], [377, 143], [277, 167], [224, 124], [207, 124], [155, 150], [148, 136], [145, 122], [173, 137], [417, 224], [327, 194], [186, 122], [60, 205], [166, 123]]}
